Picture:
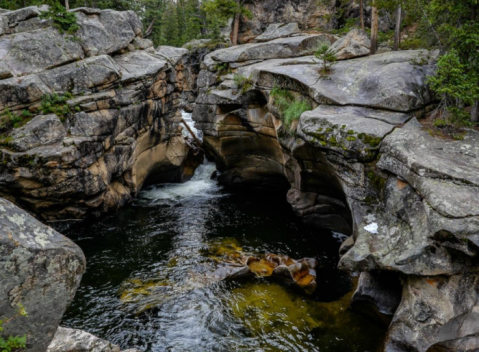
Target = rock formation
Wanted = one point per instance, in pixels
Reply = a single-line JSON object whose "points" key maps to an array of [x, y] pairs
{"points": [[360, 163], [72, 340], [41, 270], [87, 120]]}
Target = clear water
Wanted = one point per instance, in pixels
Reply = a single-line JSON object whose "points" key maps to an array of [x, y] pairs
{"points": [[147, 285]]}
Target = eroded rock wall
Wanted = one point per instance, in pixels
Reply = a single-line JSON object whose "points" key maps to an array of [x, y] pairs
{"points": [[116, 129], [359, 163]]}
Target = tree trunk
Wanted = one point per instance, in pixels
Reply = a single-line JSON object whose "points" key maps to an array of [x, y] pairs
{"points": [[361, 13], [374, 29], [475, 112], [67, 5], [397, 33], [236, 23]]}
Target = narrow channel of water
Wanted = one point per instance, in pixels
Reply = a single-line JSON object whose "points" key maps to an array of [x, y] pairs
{"points": [[147, 283]]}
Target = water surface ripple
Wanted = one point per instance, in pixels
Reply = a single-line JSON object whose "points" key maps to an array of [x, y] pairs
{"points": [[147, 285]]}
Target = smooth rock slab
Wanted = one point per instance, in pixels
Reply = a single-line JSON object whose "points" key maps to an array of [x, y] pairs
{"points": [[392, 81], [40, 269], [279, 48], [41, 130], [278, 30], [172, 54], [355, 132], [37, 51]]}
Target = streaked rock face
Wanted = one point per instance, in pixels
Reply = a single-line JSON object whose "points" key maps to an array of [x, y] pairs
{"points": [[359, 163], [40, 269], [121, 127]]}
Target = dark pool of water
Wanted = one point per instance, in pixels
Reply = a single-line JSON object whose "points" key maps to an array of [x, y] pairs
{"points": [[146, 283]]}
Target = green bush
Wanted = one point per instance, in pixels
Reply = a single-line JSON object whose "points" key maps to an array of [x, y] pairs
{"points": [[14, 120], [457, 86], [222, 68], [13, 343], [62, 19]]}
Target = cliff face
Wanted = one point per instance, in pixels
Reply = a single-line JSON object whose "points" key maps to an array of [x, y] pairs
{"points": [[360, 163], [310, 15], [88, 118], [307, 13]]}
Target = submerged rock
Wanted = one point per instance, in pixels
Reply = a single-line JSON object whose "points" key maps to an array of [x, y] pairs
{"points": [[40, 270]]}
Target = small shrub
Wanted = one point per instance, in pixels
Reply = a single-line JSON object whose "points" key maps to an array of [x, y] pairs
{"points": [[14, 120], [243, 83], [294, 111], [62, 19], [327, 57], [56, 104], [13, 343], [289, 108], [222, 68]]}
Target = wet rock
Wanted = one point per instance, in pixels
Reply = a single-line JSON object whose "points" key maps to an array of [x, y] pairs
{"points": [[278, 30], [41, 270], [380, 290], [355, 44]]}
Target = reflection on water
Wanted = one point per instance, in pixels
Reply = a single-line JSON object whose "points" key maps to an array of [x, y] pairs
{"points": [[147, 286]]}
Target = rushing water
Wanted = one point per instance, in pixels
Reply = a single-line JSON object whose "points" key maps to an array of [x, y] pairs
{"points": [[147, 282]]}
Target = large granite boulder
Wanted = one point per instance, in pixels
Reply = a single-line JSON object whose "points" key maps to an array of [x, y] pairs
{"points": [[278, 48], [355, 44], [41, 270]]}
